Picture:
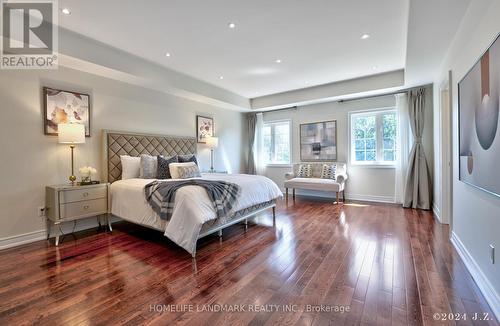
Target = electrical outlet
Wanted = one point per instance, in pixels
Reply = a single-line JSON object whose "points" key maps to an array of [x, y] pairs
{"points": [[41, 211], [492, 253]]}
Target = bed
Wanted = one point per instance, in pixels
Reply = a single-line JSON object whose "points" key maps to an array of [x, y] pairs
{"points": [[193, 216]]}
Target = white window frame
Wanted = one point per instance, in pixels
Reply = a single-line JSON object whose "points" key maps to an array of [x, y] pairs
{"points": [[379, 163], [271, 122]]}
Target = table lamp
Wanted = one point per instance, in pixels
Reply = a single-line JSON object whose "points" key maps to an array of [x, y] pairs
{"points": [[72, 134], [212, 143]]}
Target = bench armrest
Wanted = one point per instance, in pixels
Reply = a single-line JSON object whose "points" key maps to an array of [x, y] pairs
{"points": [[341, 177]]}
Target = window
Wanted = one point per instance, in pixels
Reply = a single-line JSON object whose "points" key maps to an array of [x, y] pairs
{"points": [[373, 137], [276, 142]]}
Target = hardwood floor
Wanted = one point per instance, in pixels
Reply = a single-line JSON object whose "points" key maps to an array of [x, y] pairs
{"points": [[385, 264]]}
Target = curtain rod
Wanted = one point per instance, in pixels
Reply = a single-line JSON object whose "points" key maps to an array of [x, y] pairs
{"points": [[404, 90]]}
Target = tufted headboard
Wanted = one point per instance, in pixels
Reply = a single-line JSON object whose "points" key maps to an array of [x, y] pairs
{"points": [[116, 143]]}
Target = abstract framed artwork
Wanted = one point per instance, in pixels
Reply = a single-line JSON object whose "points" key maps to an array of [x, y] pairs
{"points": [[318, 141], [65, 107], [204, 128], [479, 142]]}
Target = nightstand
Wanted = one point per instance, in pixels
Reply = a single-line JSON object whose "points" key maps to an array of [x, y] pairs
{"points": [[69, 203]]}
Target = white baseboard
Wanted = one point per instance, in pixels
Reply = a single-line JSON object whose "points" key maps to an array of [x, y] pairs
{"points": [[437, 212], [331, 195], [372, 198], [18, 240], [21, 239], [487, 289]]}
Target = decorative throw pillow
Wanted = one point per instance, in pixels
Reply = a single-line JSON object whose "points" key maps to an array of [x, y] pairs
{"points": [[190, 171], [149, 165], [187, 158], [328, 171], [131, 166], [174, 168], [305, 171], [163, 169]]}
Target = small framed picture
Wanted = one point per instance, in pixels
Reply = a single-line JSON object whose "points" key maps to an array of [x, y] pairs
{"points": [[204, 128], [65, 107]]}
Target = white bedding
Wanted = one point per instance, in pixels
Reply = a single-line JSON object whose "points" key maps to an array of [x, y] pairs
{"points": [[192, 205]]}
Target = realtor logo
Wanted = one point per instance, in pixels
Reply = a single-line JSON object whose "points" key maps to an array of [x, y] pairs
{"points": [[29, 34]]}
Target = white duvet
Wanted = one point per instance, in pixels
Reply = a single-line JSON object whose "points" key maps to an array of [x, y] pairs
{"points": [[192, 206]]}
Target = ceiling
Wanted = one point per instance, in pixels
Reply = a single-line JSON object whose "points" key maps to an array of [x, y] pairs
{"points": [[432, 25], [318, 41]]}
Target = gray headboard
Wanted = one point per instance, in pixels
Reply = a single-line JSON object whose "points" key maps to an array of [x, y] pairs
{"points": [[116, 143]]}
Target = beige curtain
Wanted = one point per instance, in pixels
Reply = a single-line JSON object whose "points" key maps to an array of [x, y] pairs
{"points": [[251, 124], [418, 183]]}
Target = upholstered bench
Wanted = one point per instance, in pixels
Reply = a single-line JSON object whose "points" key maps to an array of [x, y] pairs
{"points": [[315, 182]]}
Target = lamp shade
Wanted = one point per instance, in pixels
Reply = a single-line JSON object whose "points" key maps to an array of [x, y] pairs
{"points": [[212, 142], [71, 133]]}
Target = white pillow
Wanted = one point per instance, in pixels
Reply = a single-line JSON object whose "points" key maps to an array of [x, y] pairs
{"points": [[305, 171], [131, 166], [174, 168]]}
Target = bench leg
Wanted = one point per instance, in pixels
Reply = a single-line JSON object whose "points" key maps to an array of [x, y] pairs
{"points": [[286, 193], [337, 202], [293, 193], [343, 196]]}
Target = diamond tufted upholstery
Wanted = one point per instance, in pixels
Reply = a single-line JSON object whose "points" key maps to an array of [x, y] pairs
{"points": [[117, 144]]}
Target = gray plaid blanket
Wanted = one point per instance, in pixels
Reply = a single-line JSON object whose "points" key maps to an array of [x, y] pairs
{"points": [[161, 195]]}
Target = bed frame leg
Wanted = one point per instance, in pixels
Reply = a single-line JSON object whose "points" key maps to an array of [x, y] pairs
{"points": [[274, 215], [246, 224], [193, 263], [220, 233], [109, 223]]}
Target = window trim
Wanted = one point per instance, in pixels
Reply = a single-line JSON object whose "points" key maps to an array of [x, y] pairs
{"points": [[370, 164], [290, 128]]}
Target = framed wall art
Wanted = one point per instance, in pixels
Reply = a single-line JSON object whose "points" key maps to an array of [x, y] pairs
{"points": [[61, 106], [204, 128], [318, 141], [478, 107]]}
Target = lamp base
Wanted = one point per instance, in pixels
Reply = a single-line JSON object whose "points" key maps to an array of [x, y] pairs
{"points": [[72, 178]]}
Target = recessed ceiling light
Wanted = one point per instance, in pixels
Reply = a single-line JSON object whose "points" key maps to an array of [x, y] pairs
{"points": [[231, 25], [365, 36], [221, 77], [66, 11], [278, 61], [167, 54]]}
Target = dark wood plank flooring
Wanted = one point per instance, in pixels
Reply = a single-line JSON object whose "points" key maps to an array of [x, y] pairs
{"points": [[387, 265]]}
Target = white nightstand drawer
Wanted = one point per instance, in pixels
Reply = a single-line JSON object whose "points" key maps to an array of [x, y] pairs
{"points": [[84, 208], [87, 193]]}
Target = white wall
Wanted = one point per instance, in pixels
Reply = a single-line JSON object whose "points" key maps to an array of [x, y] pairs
{"points": [[476, 214], [30, 160], [364, 183], [325, 93]]}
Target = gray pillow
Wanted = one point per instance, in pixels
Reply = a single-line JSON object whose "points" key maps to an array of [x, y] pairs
{"points": [[148, 167], [186, 172], [187, 158]]}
